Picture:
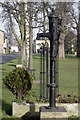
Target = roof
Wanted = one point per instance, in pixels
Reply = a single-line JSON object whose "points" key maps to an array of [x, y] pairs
{"points": [[2, 31]]}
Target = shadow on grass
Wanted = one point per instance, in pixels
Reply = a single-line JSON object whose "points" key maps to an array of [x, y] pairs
{"points": [[2, 69], [32, 114], [11, 62], [7, 108], [13, 119], [11, 65]]}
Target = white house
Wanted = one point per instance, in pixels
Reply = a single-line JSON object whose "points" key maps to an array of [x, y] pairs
{"points": [[14, 48], [1, 41], [38, 43], [5, 46]]}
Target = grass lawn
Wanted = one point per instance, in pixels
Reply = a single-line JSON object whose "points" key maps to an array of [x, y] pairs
{"points": [[68, 76], [68, 81]]}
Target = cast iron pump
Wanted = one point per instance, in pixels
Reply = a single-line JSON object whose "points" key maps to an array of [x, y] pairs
{"points": [[53, 36]]}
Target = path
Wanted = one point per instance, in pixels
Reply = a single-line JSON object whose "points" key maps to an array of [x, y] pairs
{"points": [[6, 58]]}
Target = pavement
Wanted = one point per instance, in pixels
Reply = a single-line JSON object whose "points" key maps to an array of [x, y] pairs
{"points": [[6, 58], [36, 81]]}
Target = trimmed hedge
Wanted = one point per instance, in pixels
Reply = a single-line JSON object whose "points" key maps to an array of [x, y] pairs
{"points": [[19, 81]]}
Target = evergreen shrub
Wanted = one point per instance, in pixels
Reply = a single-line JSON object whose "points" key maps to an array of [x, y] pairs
{"points": [[19, 81]]}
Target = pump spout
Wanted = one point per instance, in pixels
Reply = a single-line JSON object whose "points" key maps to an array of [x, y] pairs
{"points": [[39, 35]]}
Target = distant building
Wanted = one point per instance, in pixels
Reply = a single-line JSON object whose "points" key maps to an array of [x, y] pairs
{"points": [[1, 41], [14, 48], [38, 43], [5, 46]]}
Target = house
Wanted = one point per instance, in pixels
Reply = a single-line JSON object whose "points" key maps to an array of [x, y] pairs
{"points": [[38, 43], [5, 46], [14, 48], [1, 41]]}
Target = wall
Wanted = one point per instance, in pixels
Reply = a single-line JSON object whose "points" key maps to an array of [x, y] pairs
{"points": [[1, 41]]}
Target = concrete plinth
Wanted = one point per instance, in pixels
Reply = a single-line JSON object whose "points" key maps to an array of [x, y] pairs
{"points": [[20, 109], [53, 114]]}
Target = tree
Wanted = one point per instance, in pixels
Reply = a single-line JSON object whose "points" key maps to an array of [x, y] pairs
{"points": [[41, 10], [30, 9], [75, 21], [62, 10], [16, 14], [70, 39]]}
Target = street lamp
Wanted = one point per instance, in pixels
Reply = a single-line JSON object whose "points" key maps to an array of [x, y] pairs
{"points": [[72, 46]]}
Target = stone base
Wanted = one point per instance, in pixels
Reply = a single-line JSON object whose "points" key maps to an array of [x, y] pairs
{"points": [[20, 109], [19, 65], [53, 114]]}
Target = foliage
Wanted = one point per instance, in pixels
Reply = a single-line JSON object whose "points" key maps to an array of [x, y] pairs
{"points": [[70, 98], [19, 81], [73, 117]]}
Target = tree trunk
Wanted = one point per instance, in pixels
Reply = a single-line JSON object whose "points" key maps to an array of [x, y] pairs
{"points": [[30, 50], [44, 23], [61, 46], [30, 37], [27, 37], [23, 53], [62, 37]]}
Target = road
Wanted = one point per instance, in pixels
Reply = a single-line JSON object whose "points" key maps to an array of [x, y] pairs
{"points": [[6, 58]]}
